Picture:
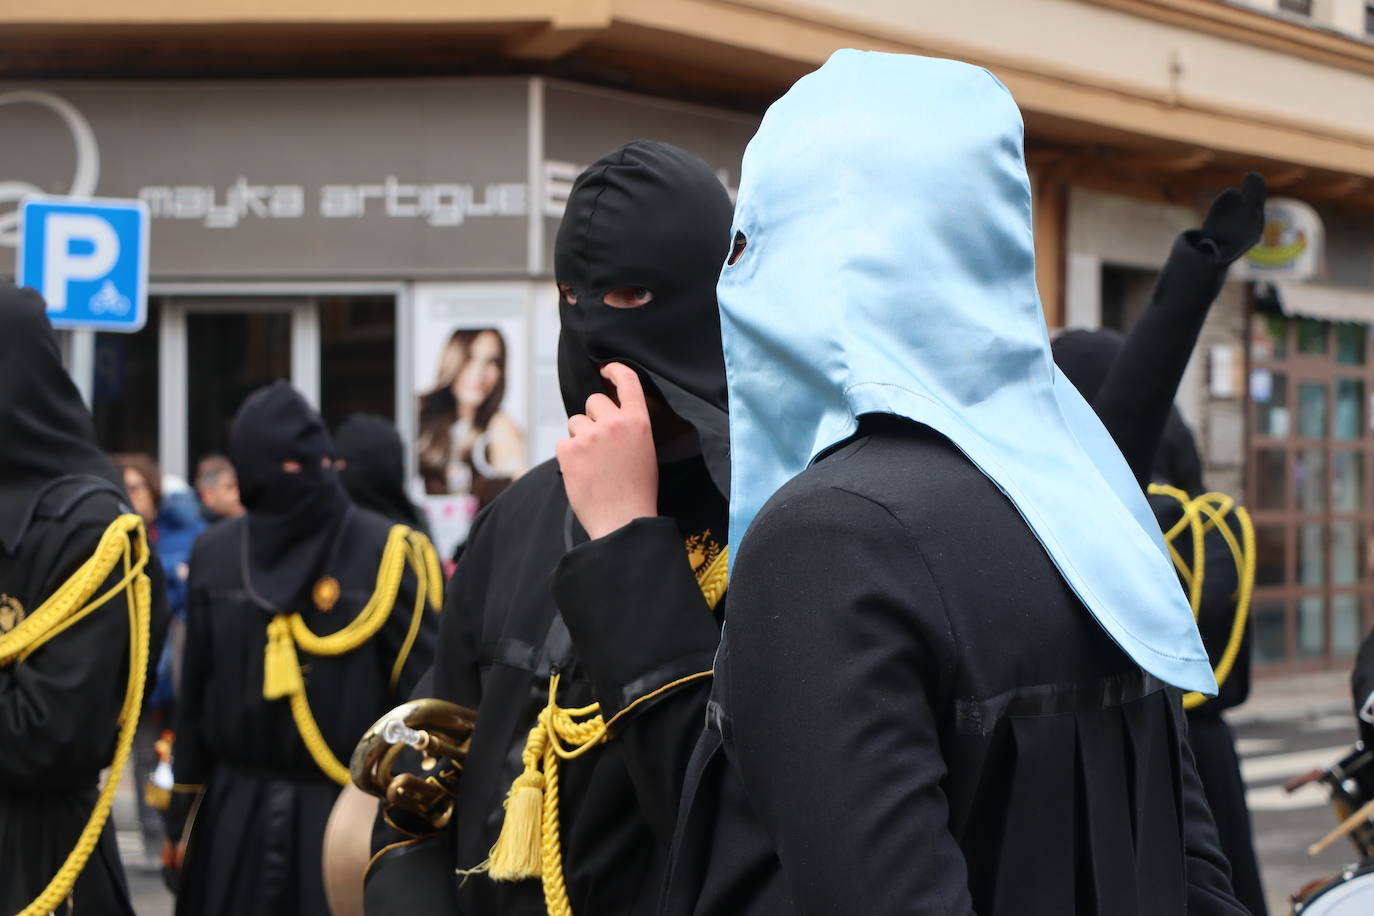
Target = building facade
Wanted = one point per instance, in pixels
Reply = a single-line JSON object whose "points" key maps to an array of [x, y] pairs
{"points": [[351, 195]]}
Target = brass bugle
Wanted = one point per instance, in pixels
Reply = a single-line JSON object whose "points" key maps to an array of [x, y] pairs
{"points": [[436, 729]]}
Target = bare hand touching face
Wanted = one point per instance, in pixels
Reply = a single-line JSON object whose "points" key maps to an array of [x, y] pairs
{"points": [[610, 468]]}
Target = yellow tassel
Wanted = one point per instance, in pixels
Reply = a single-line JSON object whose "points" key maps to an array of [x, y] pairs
{"points": [[517, 853], [281, 671]]}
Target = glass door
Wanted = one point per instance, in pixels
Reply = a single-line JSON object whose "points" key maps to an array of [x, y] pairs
{"points": [[1309, 492], [215, 352]]}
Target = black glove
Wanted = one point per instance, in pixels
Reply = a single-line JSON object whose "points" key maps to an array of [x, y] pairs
{"points": [[1235, 221]]}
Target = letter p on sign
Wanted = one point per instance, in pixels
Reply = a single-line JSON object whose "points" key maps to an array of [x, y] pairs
{"points": [[89, 260]]}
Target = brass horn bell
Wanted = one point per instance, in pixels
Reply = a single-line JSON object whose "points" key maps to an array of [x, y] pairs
{"points": [[438, 730]]}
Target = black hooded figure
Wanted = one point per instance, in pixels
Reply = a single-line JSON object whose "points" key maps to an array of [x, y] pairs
{"points": [[1131, 382], [628, 620], [372, 467], [59, 706], [302, 549]]}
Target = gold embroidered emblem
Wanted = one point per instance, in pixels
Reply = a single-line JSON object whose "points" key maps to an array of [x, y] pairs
{"points": [[326, 593], [11, 613], [702, 550]]}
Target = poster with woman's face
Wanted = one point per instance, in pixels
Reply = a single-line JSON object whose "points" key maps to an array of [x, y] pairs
{"points": [[470, 402]]}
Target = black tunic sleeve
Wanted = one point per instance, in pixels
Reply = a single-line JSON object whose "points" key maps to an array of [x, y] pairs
{"points": [[837, 636], [1139, 389], [640, 623], [59, 708]]}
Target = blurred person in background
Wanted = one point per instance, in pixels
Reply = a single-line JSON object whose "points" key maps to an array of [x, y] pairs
{"points": [[65, 694], [305, 622], [217, 487], [173, 522], [467, 443], [371, 464]]}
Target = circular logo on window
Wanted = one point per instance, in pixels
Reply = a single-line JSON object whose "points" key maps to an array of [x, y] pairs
{"points": [[11, 613]]}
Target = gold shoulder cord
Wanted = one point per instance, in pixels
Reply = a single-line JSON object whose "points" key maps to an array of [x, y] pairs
{"points": [[282, 676], [1200, 515], [530, 845], [124, 542]]}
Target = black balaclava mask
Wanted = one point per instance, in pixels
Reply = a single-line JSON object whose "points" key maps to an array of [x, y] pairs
{"points": [[45, 430], [1085, 357], [374, 468], [293, 518], [648, 215]]}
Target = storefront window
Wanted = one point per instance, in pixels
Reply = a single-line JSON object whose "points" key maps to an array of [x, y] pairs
{"points": [[1347, 624], [1311, 627], [1311, 555], [1350, 343], [1345, 553], [1312, 410], [124, 393], [1312, 336], [229, 354], [1350, 408], [1309, 479], [1313, 549], [1271, 485], [1347, 482], [1271, 555], [1270, 631], [1271, 412], [357, 357]]}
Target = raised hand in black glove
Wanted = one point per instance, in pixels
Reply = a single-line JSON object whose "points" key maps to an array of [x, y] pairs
{"points": [[1235, 221], [1139, 389]]}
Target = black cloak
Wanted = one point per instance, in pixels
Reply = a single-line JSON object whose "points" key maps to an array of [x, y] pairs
{"points": [[373, 471], [255, 842], [1131, 383], [59, 707], [617, 617]]}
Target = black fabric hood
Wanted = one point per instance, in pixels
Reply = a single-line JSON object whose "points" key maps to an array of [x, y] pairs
{"points": [[292, 518], [374, 468], [654, 216], [1085, 357], [45, 430]]}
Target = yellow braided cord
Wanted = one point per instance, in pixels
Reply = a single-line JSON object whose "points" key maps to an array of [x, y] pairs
{"points": [[1191, 574], [1201, 514], [565, 734], [434, 571], [428, 590], [123, 541], [282, 675], [314, 741]]}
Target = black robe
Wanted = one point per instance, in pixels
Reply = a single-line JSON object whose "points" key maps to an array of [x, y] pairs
{"points": [[618, 617], [59, 707], [255, 842], [912, 713]]}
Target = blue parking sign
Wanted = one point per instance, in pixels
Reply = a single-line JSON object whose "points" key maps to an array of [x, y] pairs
{"points": [[89, 260]]}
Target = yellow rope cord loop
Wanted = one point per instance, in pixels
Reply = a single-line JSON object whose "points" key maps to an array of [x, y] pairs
{"points": [[1216, 506], [282, 675], [530, 842], [1191, 521], [124, 542]]}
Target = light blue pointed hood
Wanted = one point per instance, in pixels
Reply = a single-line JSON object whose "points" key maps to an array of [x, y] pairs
{"points": [[890, 268]]}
